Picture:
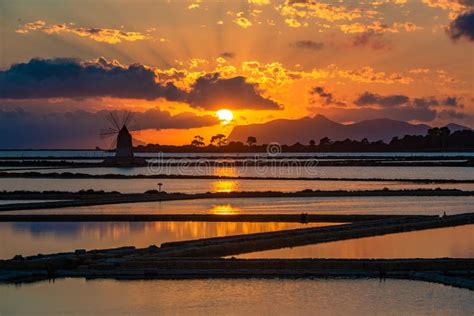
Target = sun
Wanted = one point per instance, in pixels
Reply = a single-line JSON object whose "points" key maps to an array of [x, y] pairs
{"points": [[225, 116]]}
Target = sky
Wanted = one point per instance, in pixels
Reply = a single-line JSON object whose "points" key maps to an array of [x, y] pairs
{"points": [[65, 64]]}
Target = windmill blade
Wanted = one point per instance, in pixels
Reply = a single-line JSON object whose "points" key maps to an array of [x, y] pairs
{"points": [[128, 118], [125, 118], [114, 121], [113, 144], [133, 125], [109, 132]]}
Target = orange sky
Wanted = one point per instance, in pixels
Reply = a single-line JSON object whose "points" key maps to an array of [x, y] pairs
{"points": [[283, 50]]}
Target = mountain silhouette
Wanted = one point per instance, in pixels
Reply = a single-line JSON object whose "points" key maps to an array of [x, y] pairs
{"points": [[303, 130]]}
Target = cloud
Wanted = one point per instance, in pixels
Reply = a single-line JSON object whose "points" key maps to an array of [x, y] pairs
{"points": [[454, 6], [259, 2], [451, 114], [399, 107], [378, 27], [368, 98], [326, 96], [462, 26], [32, 26], [419, 71], [212, 92], [308, 44], [432, 101], [370, 75], [227, 55], [305, 9], [105, 35], [243, 22], [158, 119], [193, 6], [371, 39], [80, 129], [72, 78], [293, 23]]}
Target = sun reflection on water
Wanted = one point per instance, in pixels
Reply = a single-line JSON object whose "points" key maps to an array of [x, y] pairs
{"points": [[225, 171], [225, 186], [225, 209]]}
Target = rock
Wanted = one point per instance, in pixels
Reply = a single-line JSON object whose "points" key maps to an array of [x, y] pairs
{"points": [[153, 247]]}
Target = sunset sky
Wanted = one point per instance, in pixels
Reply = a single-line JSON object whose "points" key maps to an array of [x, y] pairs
{"points": [[175, 63]]}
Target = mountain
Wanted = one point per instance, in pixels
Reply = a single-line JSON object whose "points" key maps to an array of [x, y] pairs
{"points": [[305, 129]]}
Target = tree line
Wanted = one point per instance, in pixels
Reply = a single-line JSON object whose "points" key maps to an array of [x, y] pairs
{"points": [[437, 139]]}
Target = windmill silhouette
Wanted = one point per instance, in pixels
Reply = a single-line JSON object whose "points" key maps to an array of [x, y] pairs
{"points": [[119, 130]]}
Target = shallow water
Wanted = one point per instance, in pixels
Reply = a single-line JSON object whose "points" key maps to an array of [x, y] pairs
{"points": [[236, 297], [100, 153], [453, 242], [6, 202], [313, 205], [26, 238], [209, 185], [446, 173]]}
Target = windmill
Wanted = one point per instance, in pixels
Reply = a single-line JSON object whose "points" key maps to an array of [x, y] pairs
{"points": [[119, 130]]}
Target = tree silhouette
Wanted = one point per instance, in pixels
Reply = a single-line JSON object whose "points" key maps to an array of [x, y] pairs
{"points": [[219, 139], [198, 141], [312, 142], [251, 140], [325, 141], [436, 139], [444, 133]]}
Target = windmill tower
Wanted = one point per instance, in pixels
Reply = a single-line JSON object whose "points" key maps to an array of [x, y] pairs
{"points": [[122, 140], [124, 144], [118, 129]]}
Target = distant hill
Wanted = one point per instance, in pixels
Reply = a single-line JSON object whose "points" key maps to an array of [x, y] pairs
{"points": [[306, 129]]}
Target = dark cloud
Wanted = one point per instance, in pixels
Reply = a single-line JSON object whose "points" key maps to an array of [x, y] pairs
{"points": [[398, 107], [432, 101], [20, 128], [405, 113], [211, 92], [307, 44], [467, 3], [450, 101], [368, 98], [450, 114], [371, 39], [462, 26], [320, 91], [326, 96], [228, 55], [425, 102], [72, 78], [157, 119]]}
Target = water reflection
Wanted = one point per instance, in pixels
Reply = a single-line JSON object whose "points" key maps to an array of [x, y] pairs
{"points": [[225, 209], [211, 185], [225, 171], [33, 238], [236, 297], [386, 172], [342, 205], [225, 186], [453, 242]]}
